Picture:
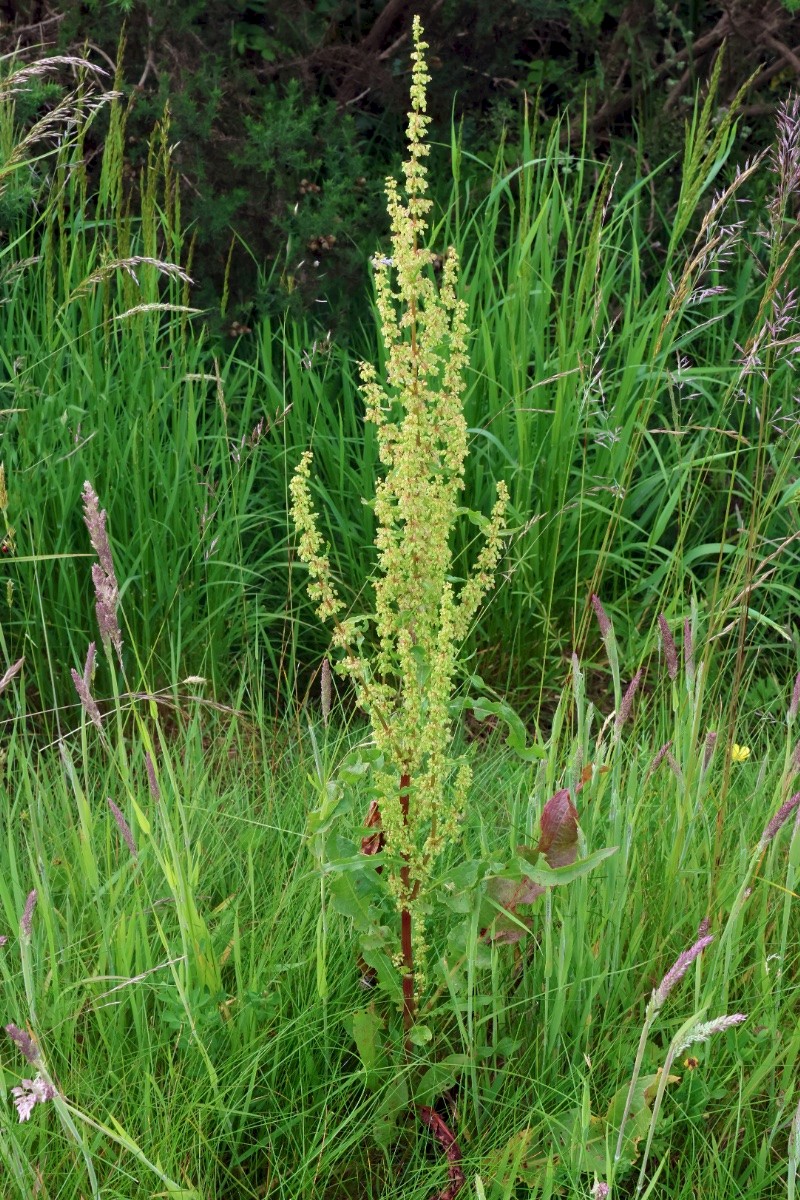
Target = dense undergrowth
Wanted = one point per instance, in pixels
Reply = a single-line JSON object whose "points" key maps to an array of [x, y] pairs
{"points": [[188, 976]]}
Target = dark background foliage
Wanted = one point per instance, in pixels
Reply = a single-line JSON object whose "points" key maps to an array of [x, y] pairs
{"points": [[287, 114]]}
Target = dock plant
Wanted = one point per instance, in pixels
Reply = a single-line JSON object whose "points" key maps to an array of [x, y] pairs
{"points": [[402, 661], [404, 680]]}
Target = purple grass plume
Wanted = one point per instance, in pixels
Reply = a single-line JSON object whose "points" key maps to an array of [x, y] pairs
{"points": [[603, 620], [24, 1042], [124, 828], [155, 790], [778, 821], [103, 576], [670, 649], [678, 969], [627, 700], [31, 1092], [83, 688], [793, 707], [25, 924], [600, 1190], [658, 758], [672, 763]]}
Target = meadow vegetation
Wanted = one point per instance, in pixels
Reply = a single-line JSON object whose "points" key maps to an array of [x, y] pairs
{"points": [[506, 906]]}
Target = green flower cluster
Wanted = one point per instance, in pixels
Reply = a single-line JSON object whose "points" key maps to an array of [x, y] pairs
{"points": [[420, 620]]}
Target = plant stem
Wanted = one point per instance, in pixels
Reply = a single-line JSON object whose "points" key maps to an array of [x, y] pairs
{"points": [[406, 944]]}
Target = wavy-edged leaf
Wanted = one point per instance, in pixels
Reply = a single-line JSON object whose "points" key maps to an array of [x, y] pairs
{"points": [[559, 826]]}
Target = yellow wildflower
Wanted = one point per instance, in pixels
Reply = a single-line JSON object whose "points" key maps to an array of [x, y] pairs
{"points": [[739, 754]]}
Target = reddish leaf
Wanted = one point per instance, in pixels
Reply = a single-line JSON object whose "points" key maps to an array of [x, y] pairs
{"points": [[559, 825], [372, 843], [511, 892]]}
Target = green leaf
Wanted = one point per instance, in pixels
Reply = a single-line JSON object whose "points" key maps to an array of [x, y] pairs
{"points": [[420, 1035], [386, 974], [367, 1026], [438, 1078], [395, 1102], [555, 876], [353, 896], [517, 738]]}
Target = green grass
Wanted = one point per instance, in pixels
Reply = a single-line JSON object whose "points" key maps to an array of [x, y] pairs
{"points": [[177, 997], [633, 475], [257, 1090]]}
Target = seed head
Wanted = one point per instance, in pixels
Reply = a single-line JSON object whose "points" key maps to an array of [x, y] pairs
{"points": [[24, 1042], [670, 649], [603, 619], [15, 670], [123, 827], [27, 916], [678, 969], [627, 700], [779, 820]]}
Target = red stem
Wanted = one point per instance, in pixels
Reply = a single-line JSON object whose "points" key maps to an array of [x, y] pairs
{"points": [[406, 945]]}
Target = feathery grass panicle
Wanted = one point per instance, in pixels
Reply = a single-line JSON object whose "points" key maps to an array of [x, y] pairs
{"points": [[83, 688], [23, 1041], [123, 827], [794, 704], [103, 574], [704, 1030], [26, 922], [670, 649], [658, 758], [11, 673], [152, 780], [626, 706], [778, 821], [678, 969], [30, 1092], [603, 620]]}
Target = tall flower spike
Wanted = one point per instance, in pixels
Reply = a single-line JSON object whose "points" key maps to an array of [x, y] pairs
{"points": [[658, 758], [706, 1029], [421, 614]]}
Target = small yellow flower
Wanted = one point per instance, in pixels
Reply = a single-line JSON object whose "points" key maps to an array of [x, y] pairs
{"points": [[739, 754]]}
